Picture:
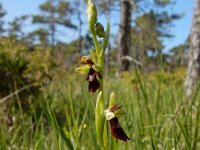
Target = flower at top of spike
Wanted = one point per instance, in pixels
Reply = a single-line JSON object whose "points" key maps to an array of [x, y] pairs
{"points": [[93, 76], [115, 127]]}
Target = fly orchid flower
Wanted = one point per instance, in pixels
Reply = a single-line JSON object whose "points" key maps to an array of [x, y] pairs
{"points": [[115, 127], [93, 76]]}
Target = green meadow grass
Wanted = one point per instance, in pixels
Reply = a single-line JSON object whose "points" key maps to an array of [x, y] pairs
{"points": [[62, 117]]}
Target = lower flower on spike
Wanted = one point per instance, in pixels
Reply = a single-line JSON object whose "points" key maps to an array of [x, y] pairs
{"points": [[115, 127]]}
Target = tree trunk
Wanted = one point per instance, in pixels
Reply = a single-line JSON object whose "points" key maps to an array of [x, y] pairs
{"points": [[193, 72], [124, 35]]}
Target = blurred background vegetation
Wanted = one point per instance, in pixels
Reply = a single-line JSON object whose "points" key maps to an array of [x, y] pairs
{"points": [[44, 104]]}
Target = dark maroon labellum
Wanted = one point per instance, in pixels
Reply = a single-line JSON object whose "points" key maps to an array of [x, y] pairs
{"points": [[117, 130], [93, 81]]}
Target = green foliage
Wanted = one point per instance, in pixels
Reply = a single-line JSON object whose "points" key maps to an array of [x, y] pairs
{"points": [[43, 69], [13, 63], [75, 127]]}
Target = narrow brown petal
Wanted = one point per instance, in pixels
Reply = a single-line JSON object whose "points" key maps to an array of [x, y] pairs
{"points": [[117, 130], [115, 107]]}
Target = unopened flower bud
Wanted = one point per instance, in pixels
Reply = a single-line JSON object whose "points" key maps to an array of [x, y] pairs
{"points": [[92, 14]]}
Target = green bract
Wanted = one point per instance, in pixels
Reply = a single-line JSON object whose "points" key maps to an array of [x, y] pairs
{"points": [[99, 118]]}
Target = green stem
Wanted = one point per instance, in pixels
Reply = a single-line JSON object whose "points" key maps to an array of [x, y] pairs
{"points": [[105, 137], [100, 62], [96, 43], [101, 66]]}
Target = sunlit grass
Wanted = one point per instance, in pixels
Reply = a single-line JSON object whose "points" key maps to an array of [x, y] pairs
{"points": [[62, 117]]}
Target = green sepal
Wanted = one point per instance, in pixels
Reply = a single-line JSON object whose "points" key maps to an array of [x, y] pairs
{"points": [[99, 30], [105, 40], [99, 118], [84, 69], [120, 113]]}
